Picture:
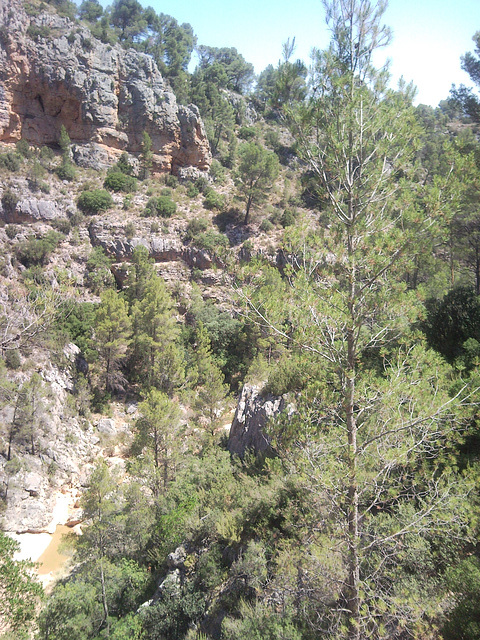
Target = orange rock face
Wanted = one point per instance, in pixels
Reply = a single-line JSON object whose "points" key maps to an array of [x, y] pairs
{"points": [[104, 96]]}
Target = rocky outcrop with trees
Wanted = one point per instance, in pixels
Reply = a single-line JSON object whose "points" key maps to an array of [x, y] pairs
{"points": [[54, 73]]}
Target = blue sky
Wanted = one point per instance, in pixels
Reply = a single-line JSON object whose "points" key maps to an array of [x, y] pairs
{"points": [[429, 35]]}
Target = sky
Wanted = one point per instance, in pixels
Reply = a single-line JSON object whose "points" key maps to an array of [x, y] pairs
{"points": [[429, 36]]}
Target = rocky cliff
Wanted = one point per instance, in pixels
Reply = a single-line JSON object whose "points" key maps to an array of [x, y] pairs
{"points": [[54, 72]]}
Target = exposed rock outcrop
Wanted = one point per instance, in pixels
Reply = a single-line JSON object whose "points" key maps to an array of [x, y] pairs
{"points": [[55, 73], [252, 414], [162, 248]]}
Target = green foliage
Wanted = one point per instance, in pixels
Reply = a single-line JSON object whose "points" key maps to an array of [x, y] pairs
{"points": [[64, 8], [204, 372], [92, 202], [123, 165], [36, 251], [66, 171], [258, 622], [20, 590], [195, 227], [146, 158], [213, 242], [162, 206], [217, 171], [90, 10], [37, 32], [77, 320], [257, 171], [23, 148], [11, 161], [71, 612], [118, 181], [232, 341], [451, 322], [99, 274], [64, 143], [463, 622], [11, 230], [465, 97], [266, 226], [155, 357], [288, 218], [247, 133], [12, 359], [9, 201], [192, 190], [290, 374], [171, 181], [218, 114], [239, 74], [214, 201], [157, 432], [112, 335]]}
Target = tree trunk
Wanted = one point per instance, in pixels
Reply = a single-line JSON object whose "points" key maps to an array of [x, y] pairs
{"points": [[477, 270], [353, 563], [104, 600], [249, 204]]}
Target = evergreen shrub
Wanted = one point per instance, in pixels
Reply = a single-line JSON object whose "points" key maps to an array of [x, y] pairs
{"points": [[92, 202], [161, 206]]}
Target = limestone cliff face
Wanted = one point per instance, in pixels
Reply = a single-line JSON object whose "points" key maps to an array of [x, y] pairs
{"points": [[104, 96]]}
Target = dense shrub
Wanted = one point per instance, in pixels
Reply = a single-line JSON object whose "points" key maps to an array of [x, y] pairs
{"points": [[63, 225], [247, 133], [201, 183], [195, 227], [217, 171], [452, 325], [160, 206], [11, 161], [24, 149], [214, 200], [36, 251], [211, 241], [36, 32], [123, 165], [171, 181], [66, 171], [9, 201], [288, 218], [12, 359], [266, 226], [94, 201], [118, 181], [99, 276], [192, 190], [11, 230]]}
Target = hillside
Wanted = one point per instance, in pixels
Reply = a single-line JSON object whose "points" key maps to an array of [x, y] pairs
{"points": [[239, 330]]}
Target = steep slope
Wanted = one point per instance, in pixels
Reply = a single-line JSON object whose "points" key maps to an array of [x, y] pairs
{"points": [[54, 73]]}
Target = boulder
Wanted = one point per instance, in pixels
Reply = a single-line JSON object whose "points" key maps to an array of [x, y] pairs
{"points": [[107, 427], [251, 416]]}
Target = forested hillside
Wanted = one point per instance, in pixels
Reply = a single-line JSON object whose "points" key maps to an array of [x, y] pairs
{"points": [[295, 256]]}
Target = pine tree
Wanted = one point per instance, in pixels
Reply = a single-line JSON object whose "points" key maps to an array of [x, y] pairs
{"points": [[211, 390], [112, 337], [381, 408], [146, 158], [156, 356], [157, 432]]}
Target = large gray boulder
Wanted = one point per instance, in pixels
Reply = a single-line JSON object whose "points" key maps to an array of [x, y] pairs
{"points": [[251, 416]]}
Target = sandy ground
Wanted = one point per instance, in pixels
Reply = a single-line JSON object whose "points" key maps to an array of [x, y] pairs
{"points": [[43, 547]]}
